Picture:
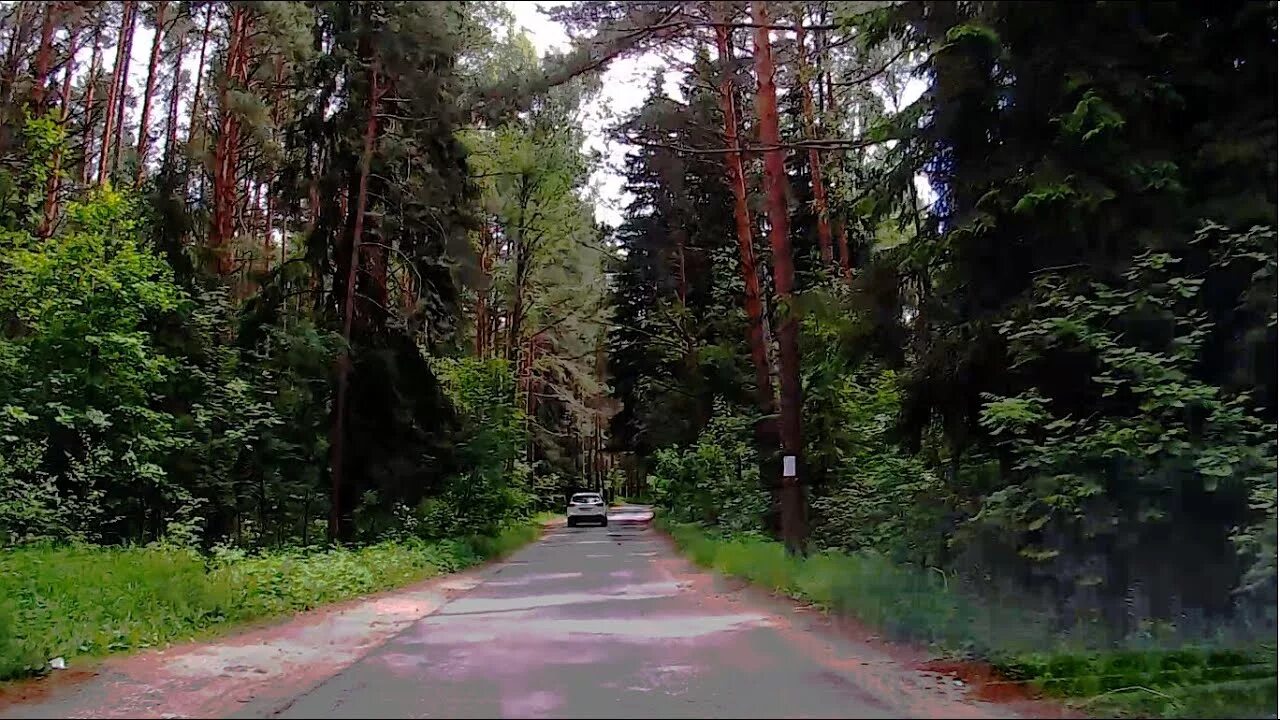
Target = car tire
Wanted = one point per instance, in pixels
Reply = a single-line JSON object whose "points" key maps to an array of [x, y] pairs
{"points": [[604, 522], [573, 522]]}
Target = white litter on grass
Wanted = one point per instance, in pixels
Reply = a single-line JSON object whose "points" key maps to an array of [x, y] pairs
{"points": [[58, 663]]}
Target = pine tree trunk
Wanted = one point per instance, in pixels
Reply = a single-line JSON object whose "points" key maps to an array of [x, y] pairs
{"points": [[271, 177], [17, 46], [91, 84], [144, 135], [227, 146], [338, 435], [775, 177], [68, 73], [175, 93], [766, 427], [199, 82], [521, 270], [811, 133], [108, 126], [123, 96], [842, 231], [531, 402], [846, 262], [55, 175], [482, 292], [44, 57], [757, 333]]}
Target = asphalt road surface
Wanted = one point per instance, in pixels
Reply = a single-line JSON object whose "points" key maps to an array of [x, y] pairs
{"points": [[586, 623], [600, 623]]}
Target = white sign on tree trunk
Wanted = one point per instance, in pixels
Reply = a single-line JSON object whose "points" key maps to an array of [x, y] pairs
{"points": [[788, 466]]}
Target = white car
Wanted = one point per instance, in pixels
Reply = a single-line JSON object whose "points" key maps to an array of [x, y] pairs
{"points": [[587, 507]]}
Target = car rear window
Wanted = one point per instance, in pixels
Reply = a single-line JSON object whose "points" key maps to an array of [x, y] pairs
{"points": [[586, 497]]}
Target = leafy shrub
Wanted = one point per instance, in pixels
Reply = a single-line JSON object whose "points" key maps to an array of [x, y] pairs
{"points": [[80, 371], [1157, 440], [85, 600], [496, 487], [129, 408], [715, 481], [876, 496]]}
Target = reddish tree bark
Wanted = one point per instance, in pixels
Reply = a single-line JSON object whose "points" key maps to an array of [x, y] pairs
{"points": [[175, 92], [482, 292], [55, 176], [199, 84], [531, 399], [757, 334], [227, 144], [336, 457], [766, 429], [520, 255], [144, 134], [842, 232], [91, 84], [846, 262], [17, 47], [811, 133], [73, 46], [124, 86], [44, 56], [775, 177], [409, 293], [113, 89]]}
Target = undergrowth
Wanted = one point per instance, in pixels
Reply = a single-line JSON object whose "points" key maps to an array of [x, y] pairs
{"points": [[81, 600], [919, 605]]}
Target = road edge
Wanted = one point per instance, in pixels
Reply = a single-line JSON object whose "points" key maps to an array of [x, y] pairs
{"points": [[47, 692]]}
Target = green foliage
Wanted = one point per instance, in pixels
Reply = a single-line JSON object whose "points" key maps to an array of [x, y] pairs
{"points": [[494, 486], [1186, 437], [82, 600], [1189, 682], [677, 339], [716, 480], [874, 496], [912, 603], [128, 415], [25, 171], [908, 602], [81, 373]]}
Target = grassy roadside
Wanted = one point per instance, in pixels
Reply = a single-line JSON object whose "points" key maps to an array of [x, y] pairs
{"points": [[74, 601], [918, 606]]}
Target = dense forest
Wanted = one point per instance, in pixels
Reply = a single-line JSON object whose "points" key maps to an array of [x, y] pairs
{"points": [[999, 276], [296, 279]]}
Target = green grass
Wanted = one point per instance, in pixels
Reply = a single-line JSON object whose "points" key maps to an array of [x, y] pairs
{"points": [[1200, 682], [917, 605], [90, 601]]}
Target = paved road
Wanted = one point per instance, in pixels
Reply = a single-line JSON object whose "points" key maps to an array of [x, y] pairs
{"points": [[588, 622], [595, 622]]}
